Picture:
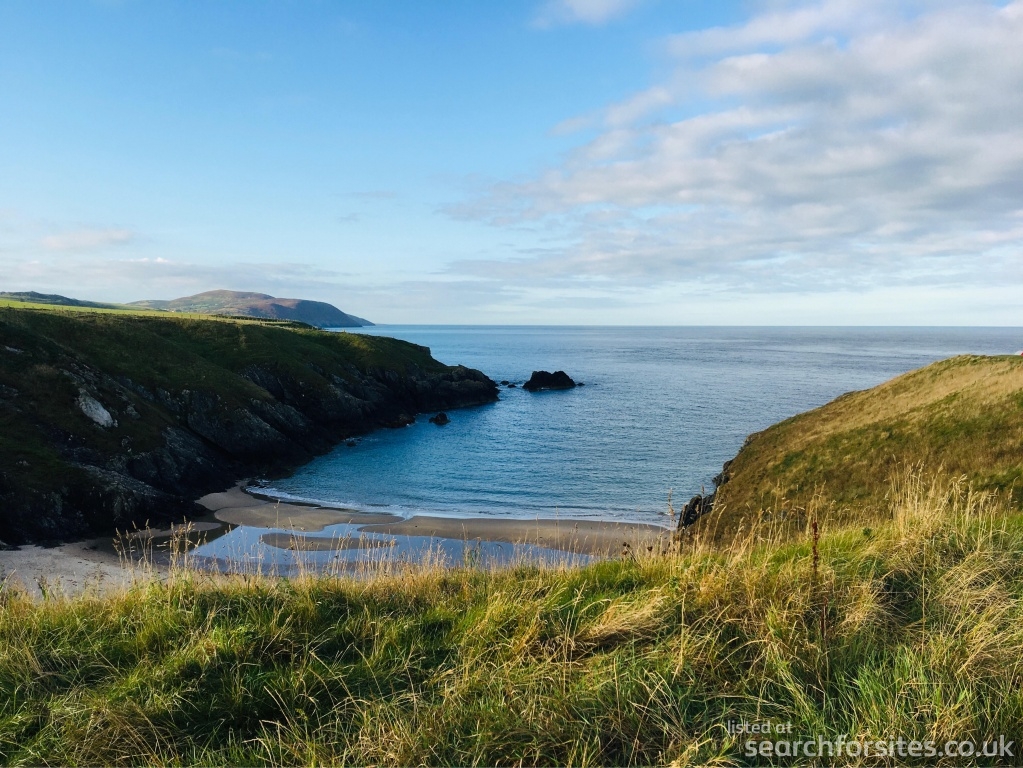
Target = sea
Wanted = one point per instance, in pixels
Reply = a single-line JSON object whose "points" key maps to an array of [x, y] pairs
{"points": [[660, 411]]}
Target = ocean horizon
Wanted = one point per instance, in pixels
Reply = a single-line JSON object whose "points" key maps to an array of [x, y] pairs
{"points": [[661, 409]]}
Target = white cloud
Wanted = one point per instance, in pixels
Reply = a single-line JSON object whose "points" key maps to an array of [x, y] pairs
{"points": [[825, 146], [86, 239], [593, 12]]}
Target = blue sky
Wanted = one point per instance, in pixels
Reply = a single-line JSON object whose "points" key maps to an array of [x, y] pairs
{"points": [[554, 161]]}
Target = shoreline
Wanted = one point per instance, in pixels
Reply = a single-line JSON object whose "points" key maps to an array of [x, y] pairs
{"points": [[94, 564], [238, 506]]}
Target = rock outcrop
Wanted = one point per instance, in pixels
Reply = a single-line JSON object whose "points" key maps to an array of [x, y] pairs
{"points": [[131, 420], [700, 504], [541, 380]]}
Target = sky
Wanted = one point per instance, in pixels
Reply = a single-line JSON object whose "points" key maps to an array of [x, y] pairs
{"points": [[608, 162]]}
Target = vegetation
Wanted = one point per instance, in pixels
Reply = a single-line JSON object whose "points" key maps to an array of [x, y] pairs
{"points": [[912, 628], [159, 351], [141, 366], [242, 304], [850, 608], [32, 297], [964, 415]]}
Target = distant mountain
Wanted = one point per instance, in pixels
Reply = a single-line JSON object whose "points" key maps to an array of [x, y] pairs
{"points": [[52, 298], [317, 313]]}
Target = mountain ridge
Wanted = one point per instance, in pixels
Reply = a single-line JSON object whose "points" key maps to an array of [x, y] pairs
{"points": [[259, 305]]}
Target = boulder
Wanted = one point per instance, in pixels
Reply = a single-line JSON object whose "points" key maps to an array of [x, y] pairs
{"points": [[440, 419], [541, 380], [401, 420]]}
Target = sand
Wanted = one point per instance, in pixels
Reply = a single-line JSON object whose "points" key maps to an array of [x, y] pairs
{"points": [[580, 536], [588, 537], [94, 566], [68, 569], [237, 507]]}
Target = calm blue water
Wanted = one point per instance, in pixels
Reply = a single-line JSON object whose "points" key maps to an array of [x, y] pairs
{"points": [[662, 409]]}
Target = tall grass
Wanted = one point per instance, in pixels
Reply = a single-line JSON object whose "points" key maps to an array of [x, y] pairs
{"points": [[910, 628]]}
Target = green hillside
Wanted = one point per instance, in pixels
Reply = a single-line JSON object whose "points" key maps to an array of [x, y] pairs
{"points": [[32, 297], [962, 416], [109, 416], [909, 629], [243, 304]]}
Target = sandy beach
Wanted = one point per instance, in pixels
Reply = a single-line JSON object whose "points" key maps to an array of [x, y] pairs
{"points": [[590, 537], [238, 507], [86, 565], [68, 569]]}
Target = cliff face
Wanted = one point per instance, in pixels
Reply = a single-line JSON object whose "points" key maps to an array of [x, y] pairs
{"points": [[112, 419]]}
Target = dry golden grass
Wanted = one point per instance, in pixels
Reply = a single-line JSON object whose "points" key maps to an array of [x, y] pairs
{"points": [[911, 628], [963, 416]]}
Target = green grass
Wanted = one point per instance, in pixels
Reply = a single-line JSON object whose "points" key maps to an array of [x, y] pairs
{"points": [[157, 351], [911, 628], [964, 415]]}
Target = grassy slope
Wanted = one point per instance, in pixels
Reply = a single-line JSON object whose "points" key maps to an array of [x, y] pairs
{"points": [[158, 351], [964, 415], [913, 629]]}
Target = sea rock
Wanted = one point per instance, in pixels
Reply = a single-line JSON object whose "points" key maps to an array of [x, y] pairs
{"points": [[440, 419], [541, 380], [512, 386]]}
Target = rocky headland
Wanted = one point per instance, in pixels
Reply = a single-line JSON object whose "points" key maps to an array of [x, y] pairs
{"points": [[114, 419]]}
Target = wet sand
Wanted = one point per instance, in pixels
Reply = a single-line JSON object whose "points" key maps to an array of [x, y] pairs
{"points": [[94, 565], [589, 537], [236, 507]]}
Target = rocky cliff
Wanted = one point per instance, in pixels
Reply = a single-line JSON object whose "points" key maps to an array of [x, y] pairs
{"points": [[112, 419]]}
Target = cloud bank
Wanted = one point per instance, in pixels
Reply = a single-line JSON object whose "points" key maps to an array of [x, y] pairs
{"points": [[829, 146]]}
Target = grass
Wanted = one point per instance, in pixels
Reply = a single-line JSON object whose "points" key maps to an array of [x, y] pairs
{"points": [[964, 415], [49, 353], [912, 627]]}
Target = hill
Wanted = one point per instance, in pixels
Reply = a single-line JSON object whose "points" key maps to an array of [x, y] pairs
{"points": [[241, 304], [113, 417], [963, 416], [32, 297]]}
